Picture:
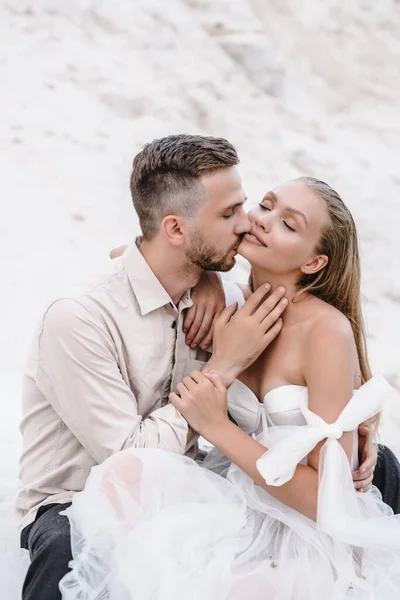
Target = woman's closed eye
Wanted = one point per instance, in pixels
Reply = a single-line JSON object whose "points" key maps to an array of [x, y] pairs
{"points": [[261, 205], [268, 208], [288, 226]]}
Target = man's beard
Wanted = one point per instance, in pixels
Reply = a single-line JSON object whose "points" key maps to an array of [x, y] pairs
{"points": [[206, 257]]}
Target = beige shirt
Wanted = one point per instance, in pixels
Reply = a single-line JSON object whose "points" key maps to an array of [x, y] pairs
{"points": [[97, 381]]}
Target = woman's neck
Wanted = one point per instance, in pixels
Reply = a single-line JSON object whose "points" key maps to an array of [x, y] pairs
{"points": [[290, 283]]}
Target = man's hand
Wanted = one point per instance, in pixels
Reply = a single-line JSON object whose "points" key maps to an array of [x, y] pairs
{"points": [[116, 252], [240, 338], [203, 401], [208, 303], [368, 456]]}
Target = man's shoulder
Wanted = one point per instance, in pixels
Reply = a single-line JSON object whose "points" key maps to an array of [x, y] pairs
{"points": [[66, 313], [89, 294], [85, 308]]}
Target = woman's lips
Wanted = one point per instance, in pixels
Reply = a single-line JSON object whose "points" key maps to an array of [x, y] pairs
{"points": [[253, 239]]}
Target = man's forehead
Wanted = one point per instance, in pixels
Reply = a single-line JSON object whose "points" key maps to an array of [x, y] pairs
{"points": [[221, 180], [224, 202], [224, 186]]}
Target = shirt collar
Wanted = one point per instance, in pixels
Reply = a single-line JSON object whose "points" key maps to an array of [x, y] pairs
{"points": [[148, 290]]}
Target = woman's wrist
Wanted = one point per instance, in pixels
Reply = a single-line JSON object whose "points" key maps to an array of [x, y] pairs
{"points": [[218, 433]]}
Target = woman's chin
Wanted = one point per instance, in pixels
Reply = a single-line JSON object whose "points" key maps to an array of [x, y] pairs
{"points": [[255, 255], [249, 251]]}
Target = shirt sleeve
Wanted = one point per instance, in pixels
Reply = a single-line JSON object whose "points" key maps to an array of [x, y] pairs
{"points": [[79, 376]]}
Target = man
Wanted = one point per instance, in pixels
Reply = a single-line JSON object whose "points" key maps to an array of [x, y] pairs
{"points": [[103, 362]]}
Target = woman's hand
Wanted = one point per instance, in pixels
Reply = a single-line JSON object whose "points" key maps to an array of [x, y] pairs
{"points": [[208, 303], [203, 401]]}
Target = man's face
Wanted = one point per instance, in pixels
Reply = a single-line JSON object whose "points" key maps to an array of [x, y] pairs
{"points": [[220, 223]]}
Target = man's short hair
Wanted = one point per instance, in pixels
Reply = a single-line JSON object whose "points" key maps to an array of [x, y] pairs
{"points": [[166, 176]]}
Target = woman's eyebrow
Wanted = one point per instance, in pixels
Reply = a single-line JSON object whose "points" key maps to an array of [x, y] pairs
{"points": [[298, 212]]}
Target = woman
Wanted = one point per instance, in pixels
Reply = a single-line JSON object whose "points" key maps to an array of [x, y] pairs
{"points": [[286, 522]]}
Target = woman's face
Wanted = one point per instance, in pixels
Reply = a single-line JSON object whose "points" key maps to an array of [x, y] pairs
{"points": [[285, 230]]}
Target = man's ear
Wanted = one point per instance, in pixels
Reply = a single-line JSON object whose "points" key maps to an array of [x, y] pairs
{"points": [[173, 228], [315, 264]]}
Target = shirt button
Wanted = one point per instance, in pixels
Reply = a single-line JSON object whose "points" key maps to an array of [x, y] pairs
{"points": [[173, 324]]}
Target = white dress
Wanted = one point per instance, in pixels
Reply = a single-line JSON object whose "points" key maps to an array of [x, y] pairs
{"points": [[151, 525]]}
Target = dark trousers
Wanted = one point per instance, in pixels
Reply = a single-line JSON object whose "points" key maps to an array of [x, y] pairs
{"points": [[49, 542], [387, 478]]}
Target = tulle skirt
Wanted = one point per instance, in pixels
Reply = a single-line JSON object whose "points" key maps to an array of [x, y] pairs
{"points": [[151, 525]]}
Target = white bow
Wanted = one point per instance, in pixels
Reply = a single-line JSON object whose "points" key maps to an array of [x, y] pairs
{"points": [[339, 512], [279, 463]]}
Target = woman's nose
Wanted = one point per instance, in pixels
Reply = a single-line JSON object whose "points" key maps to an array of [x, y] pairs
{"points": [[264, 222]]}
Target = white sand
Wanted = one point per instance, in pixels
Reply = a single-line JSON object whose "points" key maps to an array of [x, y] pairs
{"points": [[299, 87]]}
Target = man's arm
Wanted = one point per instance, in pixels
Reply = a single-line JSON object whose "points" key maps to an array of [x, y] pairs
{"points": [[78, 374]]}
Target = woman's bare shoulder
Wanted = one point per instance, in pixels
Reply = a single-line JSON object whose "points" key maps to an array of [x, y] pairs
{"points": [[328, 324]]}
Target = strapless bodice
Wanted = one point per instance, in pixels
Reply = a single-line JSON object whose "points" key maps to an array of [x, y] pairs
{"points": [[281, 406]]}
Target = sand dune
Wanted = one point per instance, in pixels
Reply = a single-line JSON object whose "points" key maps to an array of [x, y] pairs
{"points": [[299, 88]]}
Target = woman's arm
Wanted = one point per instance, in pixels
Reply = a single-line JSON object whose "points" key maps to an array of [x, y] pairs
{"points": [[329, 368], [202, 400], [300, 493]]}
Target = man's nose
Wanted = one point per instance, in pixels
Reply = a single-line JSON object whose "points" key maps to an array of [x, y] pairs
{"points": [[244, 226]]}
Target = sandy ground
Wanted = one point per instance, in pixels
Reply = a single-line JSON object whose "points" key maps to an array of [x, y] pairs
{"points": [[299, 88]]}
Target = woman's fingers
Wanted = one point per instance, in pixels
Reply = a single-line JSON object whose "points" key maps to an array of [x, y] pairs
{"points": [[272, 317], [256, 298], [197, 377], [273, 331], [182, 390], [176, 401], [216, 380], [226, 315], [206, 343]]}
